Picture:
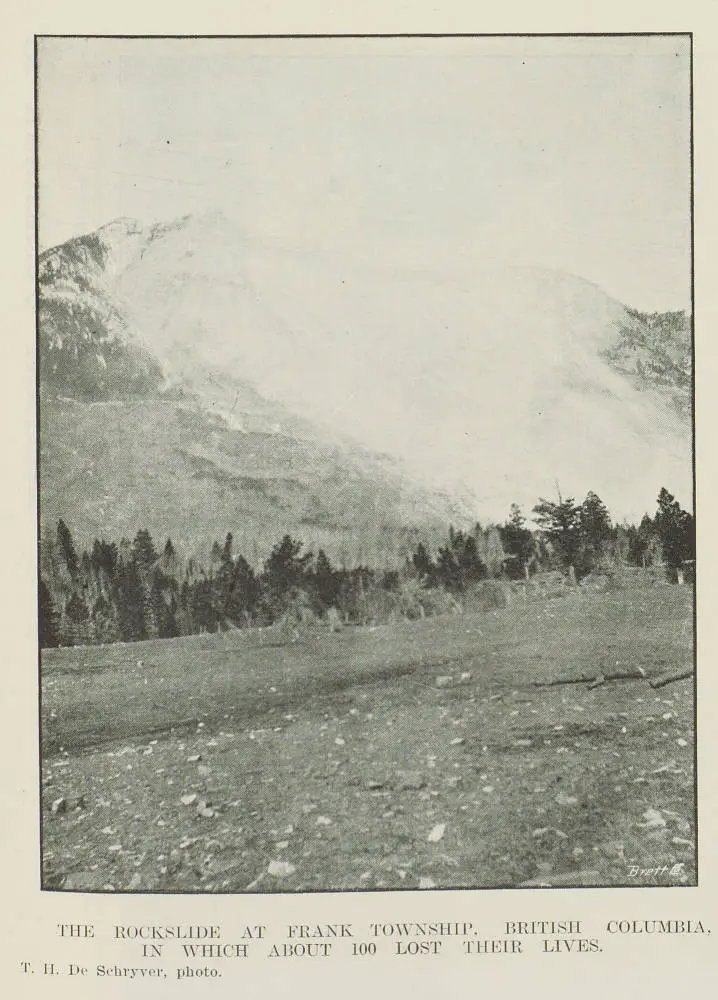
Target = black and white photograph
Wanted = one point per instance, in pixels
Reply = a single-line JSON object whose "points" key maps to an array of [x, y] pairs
{"points": [[365, 463]]}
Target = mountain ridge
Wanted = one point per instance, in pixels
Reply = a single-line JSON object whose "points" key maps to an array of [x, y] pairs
{"points": [[485, 386]]}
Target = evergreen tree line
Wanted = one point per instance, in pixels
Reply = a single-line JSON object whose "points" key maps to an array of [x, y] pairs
{"points": [[129, 592]]}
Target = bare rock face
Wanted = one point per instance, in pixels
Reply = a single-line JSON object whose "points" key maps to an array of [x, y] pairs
{"points": [[439, 396]]}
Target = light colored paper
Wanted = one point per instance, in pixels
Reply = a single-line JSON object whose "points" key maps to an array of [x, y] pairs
{"points": [[629, 964]]}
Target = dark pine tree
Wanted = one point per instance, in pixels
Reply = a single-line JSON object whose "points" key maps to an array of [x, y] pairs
{"points": [[76, 629], [560, 524], [163, 605], [518, 543], [243, 593], [459, 563], [130, 602], [169, 559], [326, 583], [48, 623], [204, 610], [285, 569], [644, 544], [422, 563], [676, 530], [104, 557], [596, 531], [104, 620], [144, 553], [67, 548]]}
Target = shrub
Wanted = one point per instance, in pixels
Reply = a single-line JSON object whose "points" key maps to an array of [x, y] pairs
{"points": [[488, 596]]}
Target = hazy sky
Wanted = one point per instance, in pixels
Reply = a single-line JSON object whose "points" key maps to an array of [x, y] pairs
{"points": [[438, 154]]}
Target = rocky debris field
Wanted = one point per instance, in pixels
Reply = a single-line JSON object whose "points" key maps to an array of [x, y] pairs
{"points": [[399, 757]]}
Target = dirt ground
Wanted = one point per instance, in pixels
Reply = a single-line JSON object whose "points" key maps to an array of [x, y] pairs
{"points": [[397, 757]]}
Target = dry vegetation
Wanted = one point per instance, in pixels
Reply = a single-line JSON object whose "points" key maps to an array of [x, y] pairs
{"points": [[399, 756]]}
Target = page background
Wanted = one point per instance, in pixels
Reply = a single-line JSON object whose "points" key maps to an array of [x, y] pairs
{"points": [[657, 965]]}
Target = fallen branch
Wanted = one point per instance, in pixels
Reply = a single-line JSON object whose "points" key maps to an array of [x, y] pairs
{"points": [[596, 680], [562, 680], [659, 682]]}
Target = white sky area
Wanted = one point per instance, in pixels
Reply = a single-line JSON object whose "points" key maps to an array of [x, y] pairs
{"points": [[418, 153]]}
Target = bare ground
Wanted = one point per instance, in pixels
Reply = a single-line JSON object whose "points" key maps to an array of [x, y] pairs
{"points": [[398, 757]]}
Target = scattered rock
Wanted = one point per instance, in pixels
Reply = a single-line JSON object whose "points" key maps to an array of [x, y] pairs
{"points": [[671, 768], [187, 800], [654, 820], [436, 833], [194, 758], [280, 869], [563, 799], [545, 830], [444, 681], [426, 883], [412, 782], [59, 806], [560, 879], [84, 881]]}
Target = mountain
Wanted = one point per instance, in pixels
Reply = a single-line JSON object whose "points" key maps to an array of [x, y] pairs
{"points": [[194, 381]]}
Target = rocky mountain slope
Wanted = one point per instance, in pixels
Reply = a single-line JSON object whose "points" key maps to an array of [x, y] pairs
{"points": [[194, 381]]}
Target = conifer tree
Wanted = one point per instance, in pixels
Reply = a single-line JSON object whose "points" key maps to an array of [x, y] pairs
{"points": [[104, 621], [421, 561], [67, 548], [104, 557], [130, 601], [48, 623], [243, 592], [76, 629], [143, 552], [325, 581], [169, 559], [595, 530], [285, 568], [518, 543], [458, 563], [560, 524], [675, 529]]}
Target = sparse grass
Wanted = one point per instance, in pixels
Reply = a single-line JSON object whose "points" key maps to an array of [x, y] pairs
{"points": [[546, 784]]}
